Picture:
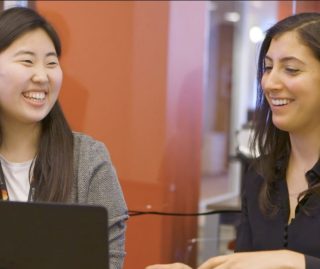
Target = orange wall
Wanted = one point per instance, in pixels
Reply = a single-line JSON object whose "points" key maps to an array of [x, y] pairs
{"points": [[307, 6], [285, 7], [133, 79]]}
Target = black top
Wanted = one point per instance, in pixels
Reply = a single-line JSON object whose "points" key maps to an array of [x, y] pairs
{"points": [[259, 232]]}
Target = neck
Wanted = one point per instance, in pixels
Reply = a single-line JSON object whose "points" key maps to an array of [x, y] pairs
{"points": [[19, 141], [305, 149]]}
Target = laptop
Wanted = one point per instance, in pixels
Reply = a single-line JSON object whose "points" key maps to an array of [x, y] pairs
{"points": [[53, 236]]}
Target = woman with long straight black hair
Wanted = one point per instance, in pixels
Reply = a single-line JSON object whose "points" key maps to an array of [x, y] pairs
{"points": [[41, 158]]}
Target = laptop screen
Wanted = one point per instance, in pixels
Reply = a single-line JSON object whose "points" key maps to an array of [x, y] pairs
{"points": [[47, 236]]}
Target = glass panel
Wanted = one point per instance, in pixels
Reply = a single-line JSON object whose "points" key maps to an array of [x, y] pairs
{"points": [[235, 32]]}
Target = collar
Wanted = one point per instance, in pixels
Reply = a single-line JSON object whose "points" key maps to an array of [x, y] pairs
{"points": [[313, 175]]}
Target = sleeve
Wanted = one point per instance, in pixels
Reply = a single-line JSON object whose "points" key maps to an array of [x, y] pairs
{"points": [[244, 235], [105, 190], [312, 262], [244, 240]]}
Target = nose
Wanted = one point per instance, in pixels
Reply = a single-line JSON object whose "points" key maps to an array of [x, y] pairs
{"points": [[271, 81], [40, 75]]}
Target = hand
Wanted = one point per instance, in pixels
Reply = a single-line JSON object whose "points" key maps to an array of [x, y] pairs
{"points": [[274, 259], [169, 266]]}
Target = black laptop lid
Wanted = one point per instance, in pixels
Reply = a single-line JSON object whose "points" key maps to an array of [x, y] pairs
{"points": [[47, 236]]}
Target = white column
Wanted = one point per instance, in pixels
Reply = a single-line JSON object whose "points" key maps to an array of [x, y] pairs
{"points": [[8, 4]]}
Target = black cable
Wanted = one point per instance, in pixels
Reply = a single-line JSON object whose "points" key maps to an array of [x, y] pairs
{"points": [[133, 213]]}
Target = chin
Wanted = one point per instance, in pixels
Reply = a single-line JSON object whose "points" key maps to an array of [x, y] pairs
{"points": [[35, 118], [282, 126]]}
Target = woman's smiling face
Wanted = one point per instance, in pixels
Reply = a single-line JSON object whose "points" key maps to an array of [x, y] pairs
{"points": [[30, 78], [291, 84]]}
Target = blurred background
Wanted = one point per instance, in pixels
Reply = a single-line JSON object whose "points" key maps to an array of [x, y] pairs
{"points": [[169, 87]]}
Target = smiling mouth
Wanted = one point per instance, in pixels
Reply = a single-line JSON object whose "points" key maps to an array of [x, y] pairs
{"points": [[280, 102], [35, 96]]}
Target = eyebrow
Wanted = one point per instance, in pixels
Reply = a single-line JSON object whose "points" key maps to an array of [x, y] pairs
{"points": [[285, 59], [23, 52]]}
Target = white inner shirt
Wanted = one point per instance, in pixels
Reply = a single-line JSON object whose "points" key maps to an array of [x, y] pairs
{"points": [[17, 179]]}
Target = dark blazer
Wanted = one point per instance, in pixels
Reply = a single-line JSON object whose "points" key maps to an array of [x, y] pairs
{"points": [[259, 232]]}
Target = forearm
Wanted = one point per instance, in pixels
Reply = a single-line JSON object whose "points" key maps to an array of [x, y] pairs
{"points": [[291, 259], [117, 227], [272, 259]]}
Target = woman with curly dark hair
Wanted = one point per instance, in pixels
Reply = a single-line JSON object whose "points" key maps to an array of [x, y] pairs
{"points": [[280, 224]]}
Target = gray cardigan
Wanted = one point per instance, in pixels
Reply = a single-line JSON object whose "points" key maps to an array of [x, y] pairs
{"points": [[96, 183]]}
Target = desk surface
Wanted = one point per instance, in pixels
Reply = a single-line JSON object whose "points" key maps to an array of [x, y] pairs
{"points": [[231, 204]]}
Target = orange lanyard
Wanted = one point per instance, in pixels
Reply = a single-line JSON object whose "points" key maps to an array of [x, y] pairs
{"points": [[4, 193], [3, 187]]}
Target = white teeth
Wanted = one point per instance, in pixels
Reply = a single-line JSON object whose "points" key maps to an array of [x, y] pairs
{"points": [[35, 95], [280, 102]]}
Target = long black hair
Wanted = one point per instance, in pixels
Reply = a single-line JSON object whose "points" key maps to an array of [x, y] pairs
{"points": [[53, 165], [273, 143]]}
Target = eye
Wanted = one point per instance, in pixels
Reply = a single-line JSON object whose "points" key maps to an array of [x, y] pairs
{"points": [[291, 70], [52, 63], [26, 61], [267, 68]]}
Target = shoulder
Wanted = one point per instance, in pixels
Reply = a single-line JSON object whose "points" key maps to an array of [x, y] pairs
{"points": [[252, 182], [81, 139], [86, 143], [86, 147]]}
